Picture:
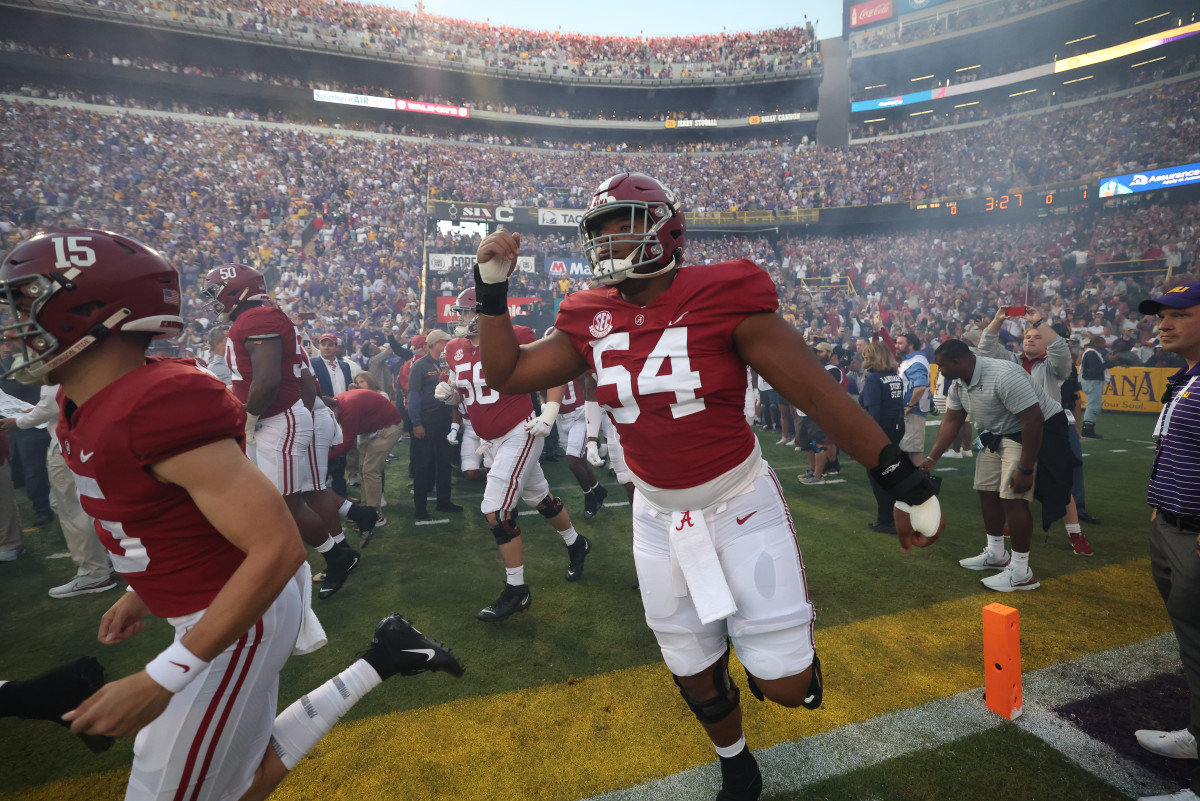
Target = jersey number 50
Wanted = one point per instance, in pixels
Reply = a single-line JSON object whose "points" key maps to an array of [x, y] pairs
{"points": [[681, 380]]}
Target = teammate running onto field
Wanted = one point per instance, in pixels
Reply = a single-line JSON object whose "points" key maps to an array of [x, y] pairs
{"points": [[266, 358], [572, 428], [508, 429], [204, 539], [714, 546]]}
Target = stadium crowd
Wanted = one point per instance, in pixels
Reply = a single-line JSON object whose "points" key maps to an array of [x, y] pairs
{"points": [[386, 30], [952, 21]]}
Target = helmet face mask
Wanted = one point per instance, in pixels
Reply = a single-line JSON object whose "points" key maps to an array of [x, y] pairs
{"points": [[464, 310], [66, 290], [633, 228]]}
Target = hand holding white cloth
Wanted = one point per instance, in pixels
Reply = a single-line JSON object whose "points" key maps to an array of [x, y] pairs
{"points": [[540, 426]]}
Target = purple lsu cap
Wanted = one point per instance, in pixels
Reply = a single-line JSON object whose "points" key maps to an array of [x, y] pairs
{"points": [[1181, 297]]}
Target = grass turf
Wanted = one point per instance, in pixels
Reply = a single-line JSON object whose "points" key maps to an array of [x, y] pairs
{"points": [[440, 575]]}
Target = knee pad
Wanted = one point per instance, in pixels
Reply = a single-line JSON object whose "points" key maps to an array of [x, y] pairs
{"points": [[507, 530], [550, 506], [714, 710]]}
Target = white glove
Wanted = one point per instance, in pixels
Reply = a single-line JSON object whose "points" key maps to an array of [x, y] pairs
{"points": [[446, 393], [593, 455], [495, 271], [452, 437], [925, 517], [251, 422], [540, 426]]}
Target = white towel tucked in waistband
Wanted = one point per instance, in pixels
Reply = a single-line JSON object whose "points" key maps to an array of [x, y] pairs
{"points": [[311, 635], [693, 551]]}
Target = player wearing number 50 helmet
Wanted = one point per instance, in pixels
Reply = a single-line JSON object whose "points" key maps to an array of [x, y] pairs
{"points": [[267, 361], [201, 535], [714, 546]]}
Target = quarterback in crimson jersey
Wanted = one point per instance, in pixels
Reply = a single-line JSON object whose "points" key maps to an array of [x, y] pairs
{"points": [[514, 437], [202, 536], [714, 545]]}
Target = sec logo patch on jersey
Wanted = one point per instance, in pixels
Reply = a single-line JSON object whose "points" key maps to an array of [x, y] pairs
{"points": [[601, 325]]}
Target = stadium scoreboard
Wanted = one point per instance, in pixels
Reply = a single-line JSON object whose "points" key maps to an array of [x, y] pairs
{"points": [[1003, 205]]}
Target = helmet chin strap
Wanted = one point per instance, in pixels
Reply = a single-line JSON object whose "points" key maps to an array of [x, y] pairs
{"points": [[616, 277]]}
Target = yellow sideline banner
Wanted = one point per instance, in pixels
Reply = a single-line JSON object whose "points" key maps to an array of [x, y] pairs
{"points": [[1136, 389]]}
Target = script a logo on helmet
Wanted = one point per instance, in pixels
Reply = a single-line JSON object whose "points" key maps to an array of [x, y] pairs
{"points": [[601, 325]]}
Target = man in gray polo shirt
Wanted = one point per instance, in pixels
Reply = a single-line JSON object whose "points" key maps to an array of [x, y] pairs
{"points": [[1174, 495], [1009, 410]]}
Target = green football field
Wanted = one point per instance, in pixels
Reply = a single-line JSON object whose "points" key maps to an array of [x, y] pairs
{"points": [[570, 699]]}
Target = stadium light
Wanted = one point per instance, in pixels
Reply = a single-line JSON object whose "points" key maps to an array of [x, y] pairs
{"points": [[1143, 63], [964, 105], [973, 67], [877, 119], [1077, 80], [919, 113], [1150, 19], [876, 86], [923, 77], [1018, 94], [1081, 39]]}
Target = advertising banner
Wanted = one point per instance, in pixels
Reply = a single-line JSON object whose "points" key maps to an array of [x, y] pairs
{"points": [[463, 262], [1147, 181], [568, 266], [517, 307], [560, 217], [908, 6], [482, 212], [390, 103], [1136, 389], [870, 13]]}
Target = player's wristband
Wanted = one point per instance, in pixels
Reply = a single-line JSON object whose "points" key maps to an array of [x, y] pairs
{"points": [[901, 479], [175, 667], [490, 299]]}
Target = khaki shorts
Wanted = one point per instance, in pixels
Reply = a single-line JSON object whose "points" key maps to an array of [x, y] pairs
{"points": [[993, 470], [914, 433]]}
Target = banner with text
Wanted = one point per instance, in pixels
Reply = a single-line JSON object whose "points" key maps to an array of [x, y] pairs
{"points": [[482, 212], [560, 217], [517, 307], [870, 13], [391, 104], [463, 262], [568, 267], [1136, 389]]}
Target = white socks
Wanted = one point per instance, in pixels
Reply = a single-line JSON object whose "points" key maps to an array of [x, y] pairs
{"points": [[728, 751], [327, 545], [1073, 528], [1019, 563], [569, 535], [995, 545], [515, 575], [344, 509], [299, 727]]}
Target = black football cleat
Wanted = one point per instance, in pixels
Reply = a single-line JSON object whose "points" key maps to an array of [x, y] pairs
{"points": [[399, 647], [578, 552], [50, 695], [339, 562], [593, 501], [816, 686], [741, 779], [515, 598]]}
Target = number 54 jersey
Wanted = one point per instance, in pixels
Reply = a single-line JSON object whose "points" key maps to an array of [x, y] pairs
{"points": [[668, 374]]}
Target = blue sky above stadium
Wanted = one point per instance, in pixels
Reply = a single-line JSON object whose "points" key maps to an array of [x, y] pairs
{"points": [[634, 17]]}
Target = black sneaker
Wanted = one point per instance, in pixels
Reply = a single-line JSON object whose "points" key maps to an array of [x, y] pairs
{"points": [[399, 647], [816, 686], [593, 501], [515, 598], [338, 564], [741, 779], [448, 507], [883, 528], [578, 552]]}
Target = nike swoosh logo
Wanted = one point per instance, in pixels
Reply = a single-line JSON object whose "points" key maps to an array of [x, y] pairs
{"points": [[184, 668], [677, 319], [83, 457], [427, 651], [747, 517]]}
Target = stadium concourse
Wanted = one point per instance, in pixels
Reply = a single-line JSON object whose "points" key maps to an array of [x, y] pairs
{"points": [[341, 214]]}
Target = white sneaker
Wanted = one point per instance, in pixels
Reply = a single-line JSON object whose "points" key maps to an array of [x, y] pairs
{"points": [[791, 441], [1174, 744], [83, 585], [968, 454], [11, 554], [782, 441], [1182, 795], [985, 561], [952, 455], [1008, 581]]}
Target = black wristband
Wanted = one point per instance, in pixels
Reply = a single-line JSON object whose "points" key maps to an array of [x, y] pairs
{"points": [[1025, 472], [901, 479], [490, 299]]}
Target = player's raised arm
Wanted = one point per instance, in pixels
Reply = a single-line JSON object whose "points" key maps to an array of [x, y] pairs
{"points": [[513, 368]]}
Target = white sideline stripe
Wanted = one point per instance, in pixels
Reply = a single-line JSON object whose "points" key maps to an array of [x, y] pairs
{"points": [[63, 555], [1119, 450], [528, 512], [929, 423], [791, 767], [432, 522], [945, 469], [617, 503], [1140, 441]]}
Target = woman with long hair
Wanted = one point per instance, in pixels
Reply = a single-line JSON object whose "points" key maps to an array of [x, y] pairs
{"points": [[882, 396]]}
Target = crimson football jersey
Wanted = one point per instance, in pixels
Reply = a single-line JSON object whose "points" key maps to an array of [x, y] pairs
{"points": [[265, 322], [573, 398], [668, 375], [493, 415], [159, 540]]}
